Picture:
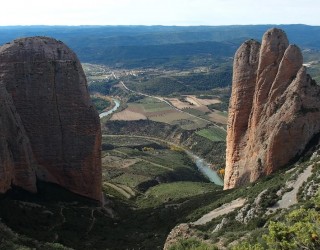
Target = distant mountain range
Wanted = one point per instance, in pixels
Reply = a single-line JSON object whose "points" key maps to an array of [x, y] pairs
{"points": [[140, 46]]}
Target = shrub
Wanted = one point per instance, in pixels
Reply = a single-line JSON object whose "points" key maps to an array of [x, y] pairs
{"points": [[192, 244]]}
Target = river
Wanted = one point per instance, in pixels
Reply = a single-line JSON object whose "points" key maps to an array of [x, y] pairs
{"points": [[205, 169], [116, 106]]}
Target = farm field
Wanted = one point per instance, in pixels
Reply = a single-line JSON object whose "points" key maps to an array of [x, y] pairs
{"points": [[192, 117], [188, 111], [133, 165], [128, 115], [218, 117], [191, 101], [213, 134]]}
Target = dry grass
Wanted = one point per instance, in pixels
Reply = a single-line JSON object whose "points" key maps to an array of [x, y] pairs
{"points": [[118, 162], [179, 104], [170, 117], [218, 117], [161, 112], [128, 115], [192, 101], [200, 102]]}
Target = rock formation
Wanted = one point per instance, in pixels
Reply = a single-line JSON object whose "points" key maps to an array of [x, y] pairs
{"points": [[49, 128], [274, 109]]}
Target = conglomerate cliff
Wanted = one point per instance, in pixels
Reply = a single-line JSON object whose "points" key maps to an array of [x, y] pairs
{"points": [[274, 109], [49, 128]]}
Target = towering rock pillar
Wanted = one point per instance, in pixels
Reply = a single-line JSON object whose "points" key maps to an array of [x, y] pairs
{"points": [[274, 109], [48, 90]]}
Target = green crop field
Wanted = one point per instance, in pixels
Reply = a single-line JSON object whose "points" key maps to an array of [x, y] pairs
{"points": [[195, 112], [213, 134], [175, 191], [151, 105]]}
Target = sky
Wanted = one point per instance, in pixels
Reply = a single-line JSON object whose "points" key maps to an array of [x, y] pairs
{"points": [[159, 12]]}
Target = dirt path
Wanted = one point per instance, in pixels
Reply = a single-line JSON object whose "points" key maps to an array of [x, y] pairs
{"points": [[290, 198], [224, 209]]}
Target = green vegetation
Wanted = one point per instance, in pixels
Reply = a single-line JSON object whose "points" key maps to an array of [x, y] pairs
{"points": [[152, 105], [159, 46], [192, 244], [212, 151], [195, 112], [169, 195], [295, 228], [213, 134], [222, 106], [149, 186], [182, 84], [298, 229], [100, 103], [102, 87], [146, 168], [175, 192]]}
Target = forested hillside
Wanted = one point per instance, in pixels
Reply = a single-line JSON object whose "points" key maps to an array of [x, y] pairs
{"points": [[141, 46]]}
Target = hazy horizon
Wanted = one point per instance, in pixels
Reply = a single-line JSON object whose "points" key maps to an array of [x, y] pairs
{"points": [[154, 12], [146, 25]]}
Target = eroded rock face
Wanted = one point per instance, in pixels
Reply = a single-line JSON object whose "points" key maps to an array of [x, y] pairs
{"points": [[56, 135], [274, 109]]}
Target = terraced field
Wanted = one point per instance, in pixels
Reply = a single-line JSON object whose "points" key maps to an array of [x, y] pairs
{"points": [[133, 165]]}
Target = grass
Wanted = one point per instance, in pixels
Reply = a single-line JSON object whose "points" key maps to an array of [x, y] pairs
{"points": [[152, 105], [191, 244], [141, 222], [131, 179], [124, 190], [146, 169], [174, 192], [213, 133], [149, 168], [195, 112], [172, 159], [155, 110]]}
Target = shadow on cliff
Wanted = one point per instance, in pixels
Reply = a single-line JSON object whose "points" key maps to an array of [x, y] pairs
{"points": [[47, 192]]}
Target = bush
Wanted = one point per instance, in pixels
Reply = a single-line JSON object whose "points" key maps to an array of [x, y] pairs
{"points": [[299, 229], [192, 244], [100, 103]]}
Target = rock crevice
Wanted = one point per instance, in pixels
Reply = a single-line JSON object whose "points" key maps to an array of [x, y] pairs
{"points": [[274, 109]]}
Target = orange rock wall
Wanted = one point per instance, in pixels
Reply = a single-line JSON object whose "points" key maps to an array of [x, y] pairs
{"points": [[51, 108], [274, 109]]}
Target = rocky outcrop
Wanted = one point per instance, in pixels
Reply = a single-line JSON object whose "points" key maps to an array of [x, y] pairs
{"points": [[49, 127], [274, 109]]}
